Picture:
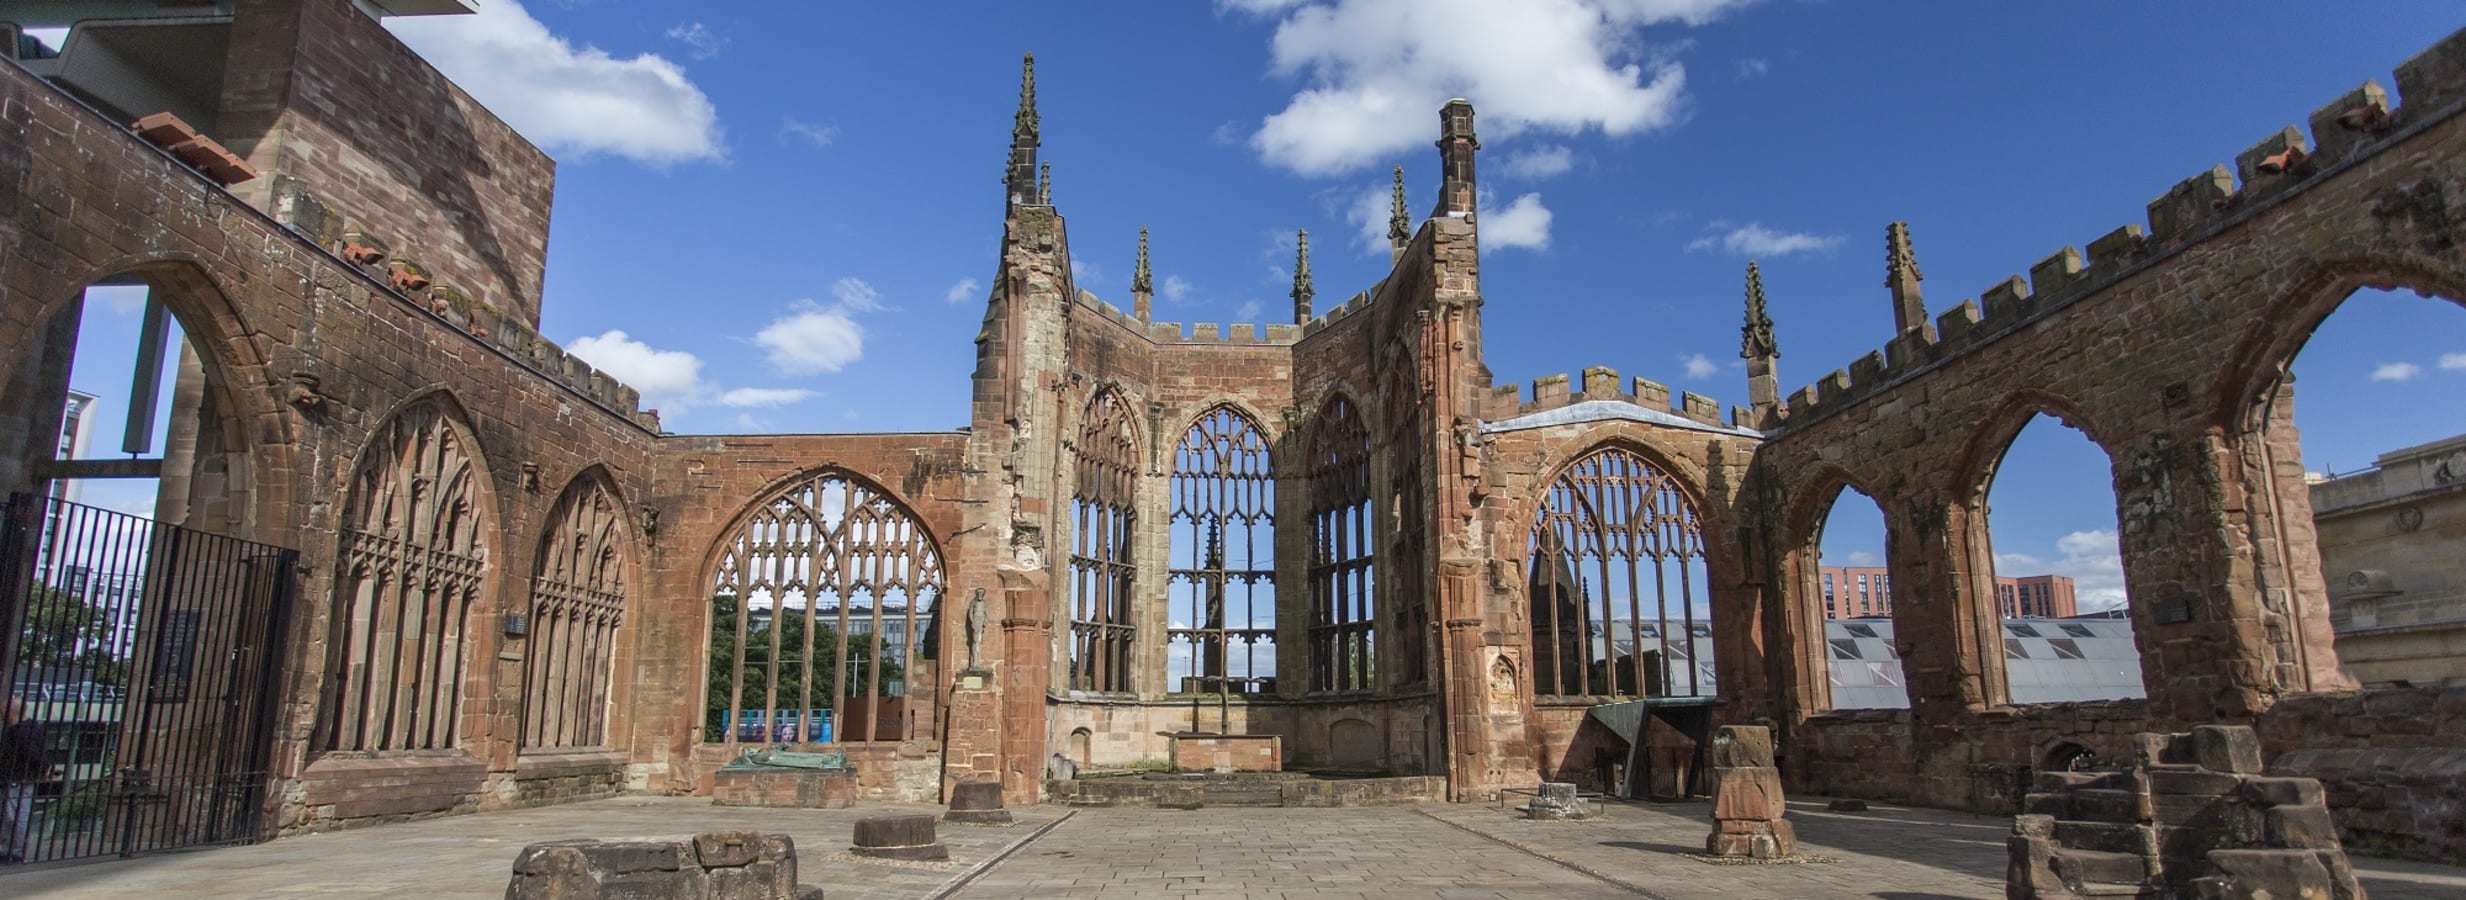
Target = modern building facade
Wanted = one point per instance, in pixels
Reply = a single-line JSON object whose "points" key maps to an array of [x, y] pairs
{"points": [[1856, 592], [2393, 549]]}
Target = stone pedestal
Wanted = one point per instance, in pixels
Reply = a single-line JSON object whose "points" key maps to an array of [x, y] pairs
{"points": [[977, 803], [972, 732], [1228, 752], [1747, 802], [1558, 800], [898, 837], [801, 788]]}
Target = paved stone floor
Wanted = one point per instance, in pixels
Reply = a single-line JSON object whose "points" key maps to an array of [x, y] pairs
{"points": [[1433, 850]]}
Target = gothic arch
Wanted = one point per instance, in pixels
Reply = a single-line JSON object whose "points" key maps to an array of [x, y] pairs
{"points": [[1104, 556], [826, 550], [2266, 351], [1984, 452], [1608, 520], [578, 604], [1221, 554], [413, 572], [1343, 538]]}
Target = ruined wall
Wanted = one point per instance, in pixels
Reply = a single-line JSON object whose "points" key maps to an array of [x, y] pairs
{"points": [[306, 356], [2191, 323], [319, 96]]}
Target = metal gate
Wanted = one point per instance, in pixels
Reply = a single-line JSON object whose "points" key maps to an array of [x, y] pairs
{"points": [[151, 655]]}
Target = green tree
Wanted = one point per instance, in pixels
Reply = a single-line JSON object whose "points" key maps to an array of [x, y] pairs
{"points": [[796, 690], [66, 635]]}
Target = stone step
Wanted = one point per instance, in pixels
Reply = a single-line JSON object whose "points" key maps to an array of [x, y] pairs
{"points": [[2102, 889], [2110, 837], [2086, 867], [2099, 805]]}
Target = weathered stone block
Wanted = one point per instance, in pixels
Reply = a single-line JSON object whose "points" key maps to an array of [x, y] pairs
{"points": [[898, 837], [2225, 748]]}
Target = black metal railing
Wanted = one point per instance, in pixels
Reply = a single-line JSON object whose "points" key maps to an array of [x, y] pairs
{"points": [[150, 657]]}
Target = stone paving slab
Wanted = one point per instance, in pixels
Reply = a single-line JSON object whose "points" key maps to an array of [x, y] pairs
{"points": [[473, 855], [1429, 850]]}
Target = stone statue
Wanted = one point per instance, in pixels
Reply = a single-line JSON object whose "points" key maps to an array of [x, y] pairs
{"points": [[976, 629]]}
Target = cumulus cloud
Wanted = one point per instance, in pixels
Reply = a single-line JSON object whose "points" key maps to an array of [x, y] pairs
{"points": [[1367, 210], [570, 100], [2453, 362], [1084, 273], [812, 338], [2089, 558], [2397, 371], [1523, 224], [962, 292], [1175, 289], [1753, 67], [1753, 239], [817, 135], [1699, 366], [1249, 311], [1545, 161], [764, 397], [1375, 71], [701, 42], [669, 380]]}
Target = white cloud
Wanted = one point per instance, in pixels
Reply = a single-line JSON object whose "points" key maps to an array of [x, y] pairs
{"points": [[121, 299], [1861, 558], [817, 135], [2396, 371], [1176, 289], [812, 338], [1084, 273], [568, 99], [700, 41], [669, 380], [747, 422], [1377, 70], [1753, 239], [1249, 311], [855, 295], [2452, 362], [1699, 366], [1523, 224], [1753, 67], [2089, 558], [1368, 211], [962, 292], [1545, 161], [764, 397]]}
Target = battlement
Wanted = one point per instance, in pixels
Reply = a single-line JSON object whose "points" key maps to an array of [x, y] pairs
{"points": [[1198, 333], [407, 281], [2346, 130], [1507, 401], [1348, 307]]}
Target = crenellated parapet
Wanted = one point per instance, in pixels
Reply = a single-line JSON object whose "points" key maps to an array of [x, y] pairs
{"points": [[402, 277], [2343, 133], [1551, 392]]}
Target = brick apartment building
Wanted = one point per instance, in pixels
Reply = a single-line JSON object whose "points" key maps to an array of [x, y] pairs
{"points": [[1857, 592]]}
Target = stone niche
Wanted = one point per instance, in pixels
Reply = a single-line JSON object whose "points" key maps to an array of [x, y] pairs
{"points": [[713, 865], [1228, 753]]}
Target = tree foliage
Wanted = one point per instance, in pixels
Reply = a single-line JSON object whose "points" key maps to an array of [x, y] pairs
{"points": [[787, 665]]}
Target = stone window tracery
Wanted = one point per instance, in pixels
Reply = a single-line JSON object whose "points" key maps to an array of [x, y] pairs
{"points": [[1617, 583], [1221, 590], [1105, 461], [577, 604], [818, 610], [1408, 573], [1343, 580], [412, 567]]}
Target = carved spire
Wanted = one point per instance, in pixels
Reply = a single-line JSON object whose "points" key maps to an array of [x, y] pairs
{"points": [[1044, 184], [1302, 290], [1761, 353], [1019, 178], [1399, 223], [1758, 340], [1142, 284], [1024, 125], [1909, 308]]}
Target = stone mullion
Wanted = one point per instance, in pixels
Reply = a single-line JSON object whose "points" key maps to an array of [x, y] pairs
{"points": [[1151, 562]]}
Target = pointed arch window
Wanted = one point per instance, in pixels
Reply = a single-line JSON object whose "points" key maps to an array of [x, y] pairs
{"points": [[1343, 580], [413, 564], [1409, 559], [817, 611], [1619, 596], [1105, 461], [1221, 593], [577, 603]]}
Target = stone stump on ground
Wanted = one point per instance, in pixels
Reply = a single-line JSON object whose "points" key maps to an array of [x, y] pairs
{"points": [[898, 837], [977, 803], [1747, 802], [1558, 800], [713, 865]]}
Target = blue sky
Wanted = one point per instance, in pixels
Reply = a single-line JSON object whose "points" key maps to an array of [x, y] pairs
{"points": [[781, 216]]}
